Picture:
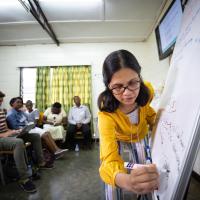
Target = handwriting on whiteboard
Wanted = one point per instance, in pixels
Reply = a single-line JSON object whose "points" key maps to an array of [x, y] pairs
{"points": [[171, 134]]}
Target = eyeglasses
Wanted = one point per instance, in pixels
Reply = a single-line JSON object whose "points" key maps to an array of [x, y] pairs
{"points": [[132, 86]]}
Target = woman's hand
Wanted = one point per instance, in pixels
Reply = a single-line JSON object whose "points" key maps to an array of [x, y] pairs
{"points": [[49, 122], [141, 180], [57, 124], [144, 179]]}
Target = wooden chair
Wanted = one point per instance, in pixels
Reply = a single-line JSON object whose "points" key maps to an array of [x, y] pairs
{"points": [[7, 153], [79, 137]]}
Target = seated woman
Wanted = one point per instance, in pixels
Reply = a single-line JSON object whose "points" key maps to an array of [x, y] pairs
{"points": [[33, 116], [54, 118]]}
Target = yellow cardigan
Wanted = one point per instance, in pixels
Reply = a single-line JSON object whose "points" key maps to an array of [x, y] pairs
{"points": [[115, 127]]}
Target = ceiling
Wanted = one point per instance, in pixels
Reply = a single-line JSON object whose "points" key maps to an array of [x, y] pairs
{"points": [[79, 21]]}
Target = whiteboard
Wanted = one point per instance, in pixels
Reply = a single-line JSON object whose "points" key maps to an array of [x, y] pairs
{"points": [[177, 133]]}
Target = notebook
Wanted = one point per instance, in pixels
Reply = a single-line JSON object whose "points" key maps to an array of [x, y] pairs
{"points": [[25, 130]]}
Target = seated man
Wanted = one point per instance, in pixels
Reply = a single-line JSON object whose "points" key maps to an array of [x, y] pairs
{"points": [[9, 143], [16, 119], [54, 119], [79, 120], [33, 116]]}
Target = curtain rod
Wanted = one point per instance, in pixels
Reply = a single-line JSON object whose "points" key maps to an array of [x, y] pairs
{"points": [[55, 66]]}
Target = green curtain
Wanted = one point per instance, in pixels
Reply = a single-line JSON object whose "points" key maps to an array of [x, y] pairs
{"points": [[61, 84], [70, 81], [57, 85], [43, 88]]}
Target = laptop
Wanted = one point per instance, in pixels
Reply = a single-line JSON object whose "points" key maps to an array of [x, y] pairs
{"points": [[25, 130]]}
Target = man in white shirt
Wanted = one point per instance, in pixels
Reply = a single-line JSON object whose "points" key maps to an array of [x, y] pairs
{"points": [[78, 120]]}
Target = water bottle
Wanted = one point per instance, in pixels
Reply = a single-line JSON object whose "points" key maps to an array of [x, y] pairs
{"points": [[30, 171], [77, 147]]}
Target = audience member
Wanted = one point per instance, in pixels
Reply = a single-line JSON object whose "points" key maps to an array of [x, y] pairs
{"points": [[79, 120], [8, 143], [1, 102], [33, 116], [16, 120], [54, 120]]}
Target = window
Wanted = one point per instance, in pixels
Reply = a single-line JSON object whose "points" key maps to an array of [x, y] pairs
{"points": [[28, 83], [63, 83]]}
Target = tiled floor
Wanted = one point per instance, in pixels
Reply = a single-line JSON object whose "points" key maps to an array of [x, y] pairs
{"points": [[194, 190], [75, 177]]}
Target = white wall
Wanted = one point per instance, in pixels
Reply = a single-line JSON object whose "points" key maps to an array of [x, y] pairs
{"points": [[73, 54]]}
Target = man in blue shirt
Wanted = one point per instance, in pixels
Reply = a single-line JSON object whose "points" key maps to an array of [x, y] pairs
{"points": [[17, 119]]}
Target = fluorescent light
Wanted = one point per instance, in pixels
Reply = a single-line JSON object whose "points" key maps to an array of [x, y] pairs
{"points": [[74, 2], [7, 3]]}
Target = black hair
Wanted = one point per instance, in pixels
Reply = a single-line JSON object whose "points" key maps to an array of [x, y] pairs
{"points": [[113, 63], [12, 101], [2, 94], [29, 102], [56, 105]]}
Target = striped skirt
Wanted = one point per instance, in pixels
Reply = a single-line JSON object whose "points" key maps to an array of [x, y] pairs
{"points": [[130, 152]]}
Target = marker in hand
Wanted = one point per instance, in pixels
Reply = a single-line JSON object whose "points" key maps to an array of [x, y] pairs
{"points": [[130, 165]]}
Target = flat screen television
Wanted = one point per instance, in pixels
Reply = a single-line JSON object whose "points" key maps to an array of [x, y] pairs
{"points": [[168, 29]]}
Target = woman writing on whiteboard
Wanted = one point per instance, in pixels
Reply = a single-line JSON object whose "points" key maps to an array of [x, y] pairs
{"points": [[124, 118]]}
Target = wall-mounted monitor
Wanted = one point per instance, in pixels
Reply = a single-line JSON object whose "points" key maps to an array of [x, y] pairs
{"points": [[168, 29]]}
